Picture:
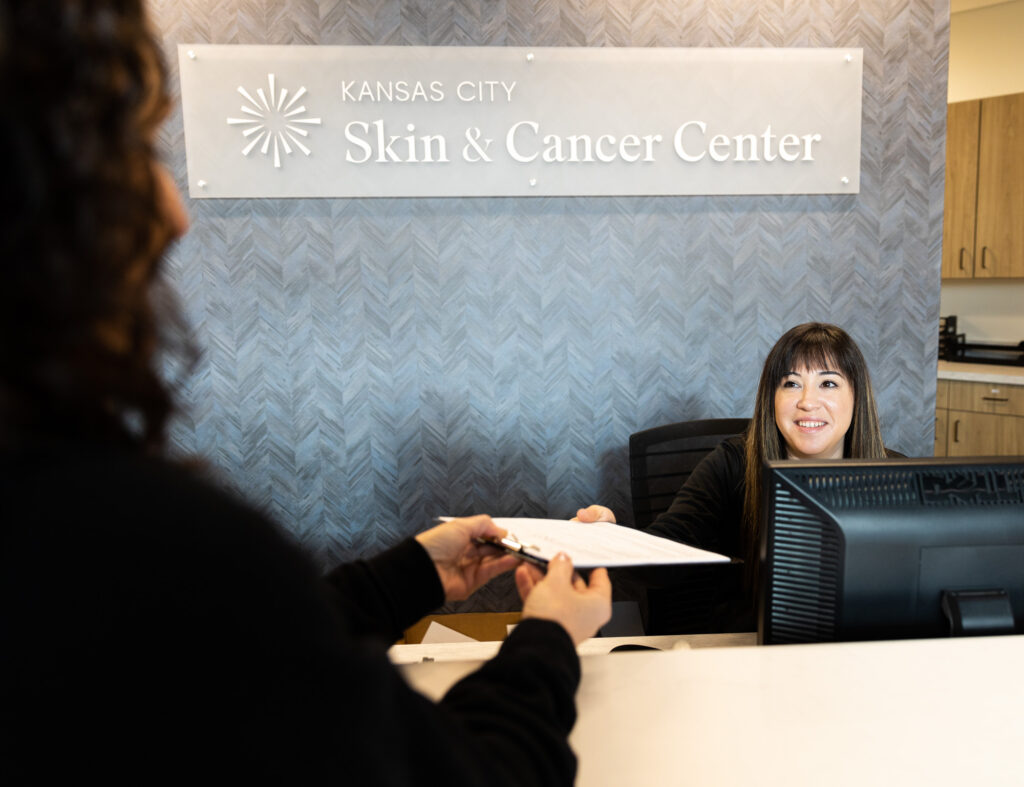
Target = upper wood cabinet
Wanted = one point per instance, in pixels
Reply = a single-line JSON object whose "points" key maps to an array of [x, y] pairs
{"points": [[962, 120], [983, 223], [999, 236]]}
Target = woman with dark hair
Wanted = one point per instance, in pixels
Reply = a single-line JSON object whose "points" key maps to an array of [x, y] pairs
{"points": [[87, 213], [154, 628], [814, 401]]}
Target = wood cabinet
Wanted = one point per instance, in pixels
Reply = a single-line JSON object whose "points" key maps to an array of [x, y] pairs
{"points": [[986, 397], [979, 419], [941, 428], [941, 412], [983, 434], [983, 221], [958, 219]]}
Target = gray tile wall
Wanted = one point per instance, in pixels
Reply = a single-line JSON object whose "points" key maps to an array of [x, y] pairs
{"points": [[371, 363]]}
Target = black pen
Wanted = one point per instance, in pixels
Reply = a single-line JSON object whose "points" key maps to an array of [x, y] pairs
{"points": [[513, 547], [507, 544]]}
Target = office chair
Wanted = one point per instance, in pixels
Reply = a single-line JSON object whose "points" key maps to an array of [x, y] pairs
{"points": [[660, 461]]}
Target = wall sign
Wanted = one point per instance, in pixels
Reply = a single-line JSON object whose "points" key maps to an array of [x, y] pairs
{"points": [[409, 121]]}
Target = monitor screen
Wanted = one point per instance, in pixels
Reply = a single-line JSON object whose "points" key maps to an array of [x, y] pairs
{"points": [[888, 549]]}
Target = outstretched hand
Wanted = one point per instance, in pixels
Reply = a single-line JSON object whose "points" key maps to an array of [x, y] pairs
{"points": [[463, 565], [595, 513], [562, 596]]}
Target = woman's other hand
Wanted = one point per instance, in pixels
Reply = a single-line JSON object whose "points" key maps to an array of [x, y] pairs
{"points": [[594, 513], [562, 596]]}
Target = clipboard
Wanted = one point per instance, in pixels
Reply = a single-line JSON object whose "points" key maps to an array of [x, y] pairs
{"points": [[592, 544]]}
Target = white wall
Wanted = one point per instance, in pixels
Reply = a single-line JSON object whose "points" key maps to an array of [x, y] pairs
{"points": [[987, 311], [985, 51], [986, 58]]}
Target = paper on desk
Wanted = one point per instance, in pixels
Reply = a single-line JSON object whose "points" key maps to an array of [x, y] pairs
{"points": [[605, 544], [436, 632]]}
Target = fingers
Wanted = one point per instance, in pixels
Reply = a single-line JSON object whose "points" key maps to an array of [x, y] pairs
{"points": [[564, 597], [595, 513], [490, 567], [480, 526], [560, 569], [527, 577], [600, 583]]}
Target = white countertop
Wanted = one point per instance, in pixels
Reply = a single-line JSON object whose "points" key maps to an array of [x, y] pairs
{"points": [[471, 652], [981, 373], [938, 712]]}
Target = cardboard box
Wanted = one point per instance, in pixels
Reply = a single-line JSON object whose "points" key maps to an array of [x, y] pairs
{"points": [[482, 626]]}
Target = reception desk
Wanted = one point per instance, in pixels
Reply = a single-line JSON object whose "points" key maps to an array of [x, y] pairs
{"points": [[909, 712]]}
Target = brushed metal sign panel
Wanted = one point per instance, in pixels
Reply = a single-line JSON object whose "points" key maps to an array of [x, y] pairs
{"points": [[386, 121]]}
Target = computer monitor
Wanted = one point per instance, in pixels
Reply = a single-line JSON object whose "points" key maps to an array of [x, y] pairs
{"points": [[889, 549]]}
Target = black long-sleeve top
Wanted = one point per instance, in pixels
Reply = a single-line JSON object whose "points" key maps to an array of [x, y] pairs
{"points": [[707, 512], [154, 629]]}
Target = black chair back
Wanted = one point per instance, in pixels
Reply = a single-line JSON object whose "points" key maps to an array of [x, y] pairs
{"points": [[660, 461], [662, 458]]}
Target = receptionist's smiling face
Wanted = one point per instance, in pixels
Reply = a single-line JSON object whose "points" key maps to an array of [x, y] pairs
{"points": [[813, 410]]}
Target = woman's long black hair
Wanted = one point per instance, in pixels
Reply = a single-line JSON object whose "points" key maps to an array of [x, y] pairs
{"points": [[815, 345]]}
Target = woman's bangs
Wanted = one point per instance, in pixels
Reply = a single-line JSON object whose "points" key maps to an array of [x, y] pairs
{"points": [[816, 353]]}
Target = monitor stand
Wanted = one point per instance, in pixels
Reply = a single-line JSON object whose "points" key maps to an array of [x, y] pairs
{"points": [[976, 613]]}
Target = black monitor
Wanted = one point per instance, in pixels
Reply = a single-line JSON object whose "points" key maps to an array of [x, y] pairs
{"points": [[889, 549]]}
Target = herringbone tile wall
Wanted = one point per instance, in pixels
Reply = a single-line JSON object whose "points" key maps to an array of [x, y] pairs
{"points": [[371, 363]]}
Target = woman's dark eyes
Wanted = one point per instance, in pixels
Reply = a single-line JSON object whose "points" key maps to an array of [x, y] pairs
{"points": [[794, 384]]}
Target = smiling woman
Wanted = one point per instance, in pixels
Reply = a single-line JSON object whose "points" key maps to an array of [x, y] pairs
{"points": [[813, 410], [814, 401]]}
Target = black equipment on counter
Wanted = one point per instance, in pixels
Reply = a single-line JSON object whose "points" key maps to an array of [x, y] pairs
{"points": [[954, 346]]}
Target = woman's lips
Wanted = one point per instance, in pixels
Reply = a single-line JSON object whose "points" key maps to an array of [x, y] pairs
{"points": [[810, 424]]}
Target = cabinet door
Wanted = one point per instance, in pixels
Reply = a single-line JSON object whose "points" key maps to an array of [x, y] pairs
{"points": [[941, 418], [962, 122], [984, 434], [985, 397], [999, 235]]}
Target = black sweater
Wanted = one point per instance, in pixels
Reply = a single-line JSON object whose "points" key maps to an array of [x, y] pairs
{"points": [[707, 512], [155, 629]]}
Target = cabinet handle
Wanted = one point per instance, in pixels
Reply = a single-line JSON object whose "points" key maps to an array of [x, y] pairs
{"points": [[995, 399], [956, 431], [983, 250], [962, 250]]}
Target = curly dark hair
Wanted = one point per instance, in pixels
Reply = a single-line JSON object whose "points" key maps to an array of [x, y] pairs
{"points": [[83, 88]]}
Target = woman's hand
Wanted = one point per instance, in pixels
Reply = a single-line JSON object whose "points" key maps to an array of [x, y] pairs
{"points": [[595, 513], [462, 565], [562, 596]]}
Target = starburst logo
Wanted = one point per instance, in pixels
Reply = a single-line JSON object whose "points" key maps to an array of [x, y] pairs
{"points": [[273, 122]]}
